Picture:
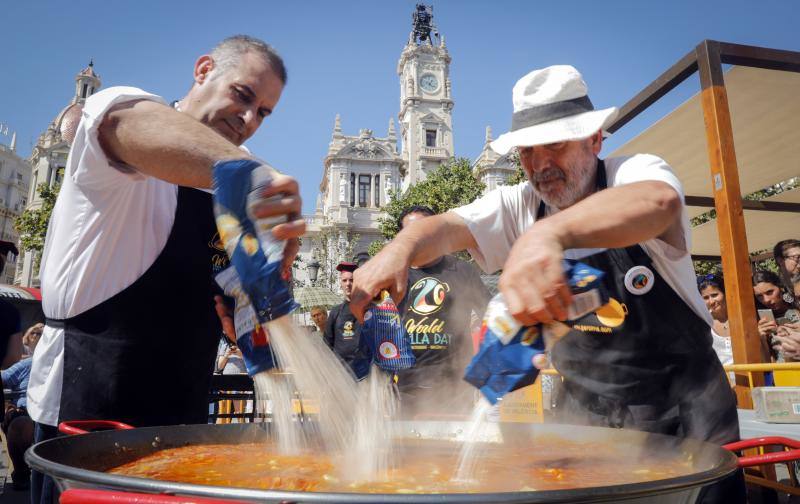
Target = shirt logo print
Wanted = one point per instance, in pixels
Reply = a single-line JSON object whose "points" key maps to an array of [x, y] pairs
{"points": [[427, 296]]}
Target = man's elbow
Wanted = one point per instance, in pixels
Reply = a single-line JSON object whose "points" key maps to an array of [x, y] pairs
{"points": [[666, 200], [120, 120]]}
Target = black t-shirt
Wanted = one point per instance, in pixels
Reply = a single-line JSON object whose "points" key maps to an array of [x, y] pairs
{"points": [[9, 324], [343, 332], [437, 314]]}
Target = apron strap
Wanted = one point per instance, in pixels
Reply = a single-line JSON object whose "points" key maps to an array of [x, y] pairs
{"points": [[55, 323], [635, 251]]}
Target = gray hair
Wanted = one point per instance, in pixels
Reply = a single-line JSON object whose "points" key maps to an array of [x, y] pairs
{"points": [[227, 54]]}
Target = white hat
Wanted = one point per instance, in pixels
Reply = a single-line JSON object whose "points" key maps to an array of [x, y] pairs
{"points": [[551, 105]]}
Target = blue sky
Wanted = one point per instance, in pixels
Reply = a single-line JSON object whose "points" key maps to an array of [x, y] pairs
{"points": [[342, 57]]}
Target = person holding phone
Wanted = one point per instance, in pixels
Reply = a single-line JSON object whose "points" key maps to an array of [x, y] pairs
{"points": [[773, 309], [787, 255]]}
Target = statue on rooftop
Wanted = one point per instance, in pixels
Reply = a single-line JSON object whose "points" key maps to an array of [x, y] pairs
{"points": [[423, 24]]}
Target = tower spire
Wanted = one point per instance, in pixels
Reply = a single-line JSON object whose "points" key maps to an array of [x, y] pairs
{"points": [[337, 126], [392, 133], [488, 134], [13, 142], [86, 83]]}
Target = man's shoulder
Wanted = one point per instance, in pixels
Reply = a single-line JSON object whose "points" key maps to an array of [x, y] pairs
{"points": [[623, 170], [634, 162], [100, 102], [115, 92], [339, 309], [453, 268]]}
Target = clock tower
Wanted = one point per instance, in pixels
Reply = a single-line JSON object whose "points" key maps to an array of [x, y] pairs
{"points": [[426, 104]]}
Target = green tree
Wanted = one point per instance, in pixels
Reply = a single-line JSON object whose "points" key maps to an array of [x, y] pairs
{"points": [[450, 185], [32, 223], [330, 250]]}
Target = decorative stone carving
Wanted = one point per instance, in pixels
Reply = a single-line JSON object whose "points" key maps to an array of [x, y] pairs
{"points": [[387, 185], [366, 149], [432, 66], [342, 188]]}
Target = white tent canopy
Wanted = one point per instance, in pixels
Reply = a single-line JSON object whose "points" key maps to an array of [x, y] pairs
{"points": [[765, 114]]}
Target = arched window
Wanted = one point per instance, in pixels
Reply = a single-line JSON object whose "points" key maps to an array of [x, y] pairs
{"points": [[377, 189]]}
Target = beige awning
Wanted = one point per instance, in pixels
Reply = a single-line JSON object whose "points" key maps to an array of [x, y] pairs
{"points": [[764, 229], [765, 113]]}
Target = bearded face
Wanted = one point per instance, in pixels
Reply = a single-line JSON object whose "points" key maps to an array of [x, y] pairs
{"points": [[562, 173]]}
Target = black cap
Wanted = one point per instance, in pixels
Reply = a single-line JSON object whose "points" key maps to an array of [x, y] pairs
{"points": [[346, 266]]}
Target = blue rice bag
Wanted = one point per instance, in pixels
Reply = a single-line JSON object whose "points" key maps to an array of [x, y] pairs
{"points": [[511, 355], [254, 277], [384, 340]]}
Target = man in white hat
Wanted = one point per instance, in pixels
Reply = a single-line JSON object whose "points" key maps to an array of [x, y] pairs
{"points": [[645, 360]]}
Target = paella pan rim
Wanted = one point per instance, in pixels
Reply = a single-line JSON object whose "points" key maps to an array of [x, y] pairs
{"points": [[85, 478]]}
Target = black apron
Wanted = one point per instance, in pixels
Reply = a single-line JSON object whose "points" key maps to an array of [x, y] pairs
{"points": [[145, 356], [645, 360]]}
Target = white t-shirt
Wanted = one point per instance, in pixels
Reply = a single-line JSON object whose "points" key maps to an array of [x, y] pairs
{"points": [[108, 226], [499, 218], [722, 347]]}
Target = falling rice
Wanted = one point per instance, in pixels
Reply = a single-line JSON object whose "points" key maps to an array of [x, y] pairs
{"points": [[353, 421]]}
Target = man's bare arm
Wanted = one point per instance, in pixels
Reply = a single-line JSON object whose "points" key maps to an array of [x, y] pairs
{"points": [[164, 143], [621, 216], [533, 281], [421, 242], [436, 236]]}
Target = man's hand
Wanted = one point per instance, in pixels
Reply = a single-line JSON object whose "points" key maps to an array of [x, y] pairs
{"points": [[533, 281], [387, 270], [282, 197], [787, 340]]}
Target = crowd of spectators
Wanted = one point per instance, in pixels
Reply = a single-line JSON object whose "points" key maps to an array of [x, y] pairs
{"points": [[777, 299], [17, 425]]}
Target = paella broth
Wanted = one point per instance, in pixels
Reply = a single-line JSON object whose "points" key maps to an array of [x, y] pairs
{"points": [[422, 467]]}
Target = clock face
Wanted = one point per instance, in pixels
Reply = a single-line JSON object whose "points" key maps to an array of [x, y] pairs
{"points": [[429, 83]]}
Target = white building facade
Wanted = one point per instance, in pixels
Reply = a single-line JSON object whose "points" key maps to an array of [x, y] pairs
{"points": [[491, 168], [49, 157], [359, 171], [15, 176], [359, 174]]}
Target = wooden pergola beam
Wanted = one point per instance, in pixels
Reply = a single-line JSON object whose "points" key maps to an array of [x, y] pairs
{"points": [[759, 57], [730, 214], [665, 83], [765, 206]]}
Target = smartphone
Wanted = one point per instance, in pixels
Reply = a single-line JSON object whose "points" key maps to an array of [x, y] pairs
{"points": [[766, 314]]}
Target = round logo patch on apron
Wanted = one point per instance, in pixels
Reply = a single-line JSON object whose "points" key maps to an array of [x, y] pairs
{"points": [[639, 280], [388, 350]]}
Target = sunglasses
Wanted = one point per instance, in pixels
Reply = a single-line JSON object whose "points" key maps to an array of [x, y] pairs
{"points": [[707, 278]]}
